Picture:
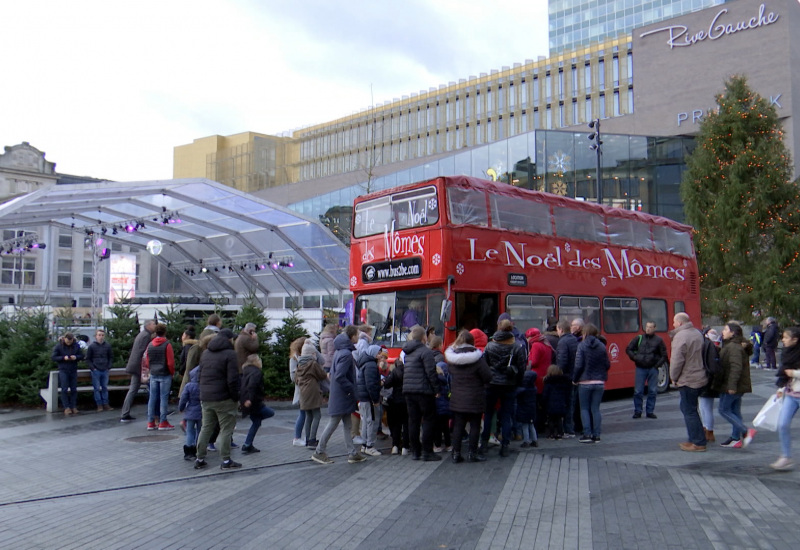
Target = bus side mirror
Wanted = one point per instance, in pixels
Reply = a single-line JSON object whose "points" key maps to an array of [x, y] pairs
{"points": [[447, 308]]}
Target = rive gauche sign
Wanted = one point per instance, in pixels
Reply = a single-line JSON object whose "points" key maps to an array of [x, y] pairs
{"points": [[721, 25]]}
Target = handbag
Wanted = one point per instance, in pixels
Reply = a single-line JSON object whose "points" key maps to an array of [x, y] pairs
{"points": [[767, 417], [145, 376]]}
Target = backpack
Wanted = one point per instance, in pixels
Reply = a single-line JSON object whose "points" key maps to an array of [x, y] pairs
{"points": [[711, 362]]}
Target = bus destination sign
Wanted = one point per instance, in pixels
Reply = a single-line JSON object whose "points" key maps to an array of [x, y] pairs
{"points": [[517, 279], [393, 270]]}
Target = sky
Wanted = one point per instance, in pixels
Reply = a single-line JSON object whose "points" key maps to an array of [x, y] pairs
{"points": [[107, 89]]}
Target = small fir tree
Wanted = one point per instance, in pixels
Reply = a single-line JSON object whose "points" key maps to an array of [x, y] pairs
{"points": [[121, 330], [276, 366], [175, 320], [738, 195], [25, 359]]}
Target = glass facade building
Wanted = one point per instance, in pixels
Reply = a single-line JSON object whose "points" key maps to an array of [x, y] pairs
{"points": [[638, 173], [577, 23]]}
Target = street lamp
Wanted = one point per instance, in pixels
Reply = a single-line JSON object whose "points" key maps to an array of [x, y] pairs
{"points": [[595, 145]]}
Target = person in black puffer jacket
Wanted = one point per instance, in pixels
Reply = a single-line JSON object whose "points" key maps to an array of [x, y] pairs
{"points": [[396, 409], [591, 373], [420, 387], [219, 393], [507, 361], [469, 376], [66, 354]]}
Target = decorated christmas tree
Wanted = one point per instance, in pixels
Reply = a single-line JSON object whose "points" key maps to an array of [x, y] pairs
{"points": [[738, 194]]}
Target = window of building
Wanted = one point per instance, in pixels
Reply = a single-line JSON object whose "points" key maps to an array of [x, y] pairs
{"points": [[574, 80], [601, 74], [561, 84], [512, 100], [575, 117], [561, 123], [630, 100], [331, 301], [587, 78], [535, 90], [630, 67], [548, 87], [523, 94], [64, 275], [588, 109], [602, 105], [615, 71], [18, 270], [548, 119], [87, 274], [65, 240], [616, 103]]}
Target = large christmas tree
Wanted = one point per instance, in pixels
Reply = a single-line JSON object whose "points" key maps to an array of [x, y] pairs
{"points": [[738, 195]]}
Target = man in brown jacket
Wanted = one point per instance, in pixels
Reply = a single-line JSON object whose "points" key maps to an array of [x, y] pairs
{"points": [[246, 344], [687, 372]]}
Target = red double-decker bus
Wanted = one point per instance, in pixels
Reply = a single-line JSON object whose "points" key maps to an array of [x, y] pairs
{"points": [[456, 252]]}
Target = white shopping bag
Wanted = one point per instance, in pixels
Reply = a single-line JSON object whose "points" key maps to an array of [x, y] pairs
{"points": [[767, 417]]}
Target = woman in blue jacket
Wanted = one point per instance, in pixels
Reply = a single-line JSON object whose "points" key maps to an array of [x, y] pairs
{"points": [[590, 374]]}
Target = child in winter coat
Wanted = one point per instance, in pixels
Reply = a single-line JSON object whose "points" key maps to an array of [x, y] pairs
{"points": [[556, 394], [192, 413], [526, 409], [251, 398], [441, 434]]}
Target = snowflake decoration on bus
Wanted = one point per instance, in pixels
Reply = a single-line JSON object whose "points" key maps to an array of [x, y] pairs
{"points": [[437, 259], [603, 281], [559, 162], [567, 247], [460, 269], [559, 188], [353, 281], [432, 204], [358, 218]]}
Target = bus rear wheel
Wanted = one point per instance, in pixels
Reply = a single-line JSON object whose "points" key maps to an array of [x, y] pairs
{"points": [[663, 378]]}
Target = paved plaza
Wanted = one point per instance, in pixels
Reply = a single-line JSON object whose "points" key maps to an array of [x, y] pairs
{"points": [[91, 482]]}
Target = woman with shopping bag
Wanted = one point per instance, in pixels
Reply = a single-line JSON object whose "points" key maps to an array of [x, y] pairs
{"points": [[789, 388]]}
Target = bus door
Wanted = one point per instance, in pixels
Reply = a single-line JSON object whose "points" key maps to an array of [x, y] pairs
{"points": [[477, 310]]}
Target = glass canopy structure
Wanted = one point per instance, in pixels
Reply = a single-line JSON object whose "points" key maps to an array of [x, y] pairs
{"points": [[206, 239]]}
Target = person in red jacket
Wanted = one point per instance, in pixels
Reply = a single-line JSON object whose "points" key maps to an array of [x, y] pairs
{"points": [[161, 360], [540, 356]]}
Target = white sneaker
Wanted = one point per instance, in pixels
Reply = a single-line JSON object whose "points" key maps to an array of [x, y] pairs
{"points": [[358, 440], [494, 441], [438, 449], [783, 463], [299, 442], [371, 451], [405, 452], [395, 451]]}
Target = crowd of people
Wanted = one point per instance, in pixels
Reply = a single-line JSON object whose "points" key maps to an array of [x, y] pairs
{"points": [[480, 390]]}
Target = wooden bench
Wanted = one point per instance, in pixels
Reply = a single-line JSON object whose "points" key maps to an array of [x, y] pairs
{"points": [[50, 393]]}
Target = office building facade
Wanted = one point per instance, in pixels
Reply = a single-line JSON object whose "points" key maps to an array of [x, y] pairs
{"points": [[578, 23]]}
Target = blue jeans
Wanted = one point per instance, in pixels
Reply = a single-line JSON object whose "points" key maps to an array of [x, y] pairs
{"points": [[507, 396], [528, 432], [100, 384], [790, 406], [68, 379], [730, 408], [756, 354], [694, 427], [590, 396], [299, 423], [192, 431], [651, 377], [256, 416], [159, 392]]}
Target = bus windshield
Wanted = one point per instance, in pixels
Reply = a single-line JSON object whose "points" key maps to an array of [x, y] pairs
{"points": [[392, 314], [406, 210]]}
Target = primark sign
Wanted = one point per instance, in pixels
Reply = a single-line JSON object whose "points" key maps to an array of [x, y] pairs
{"points": [[695, 116], [721, 26]]}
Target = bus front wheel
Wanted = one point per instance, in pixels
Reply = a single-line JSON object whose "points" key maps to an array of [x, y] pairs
{"points": [[663, 378]]}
